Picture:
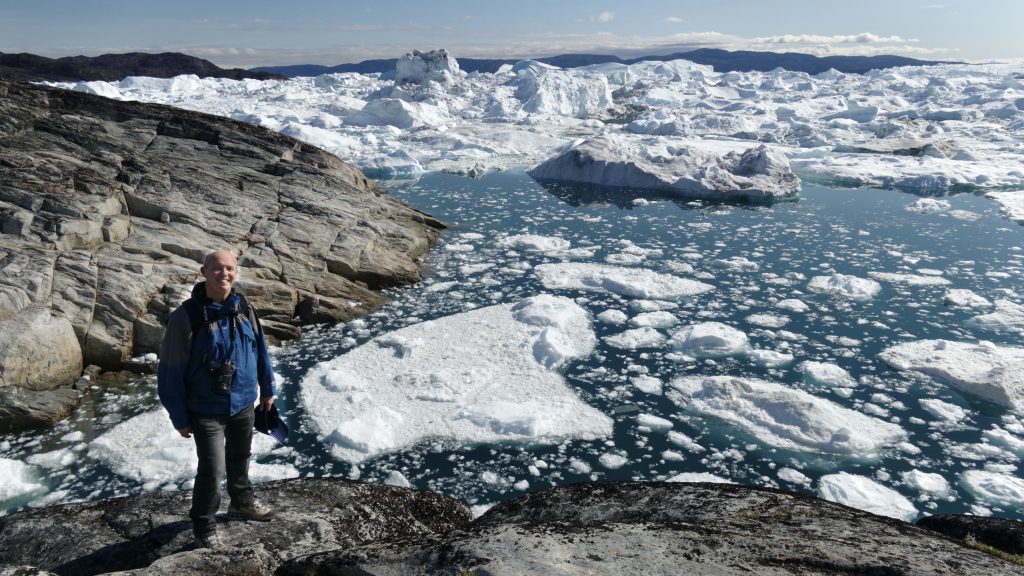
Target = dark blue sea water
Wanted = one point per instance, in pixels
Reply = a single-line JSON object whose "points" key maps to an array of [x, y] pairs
{"points": [[849, 231]]}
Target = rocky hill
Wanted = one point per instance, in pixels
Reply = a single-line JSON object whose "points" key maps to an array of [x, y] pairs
{"points": [[113, 67], [106, 211], [720, 60], [335, 527]]}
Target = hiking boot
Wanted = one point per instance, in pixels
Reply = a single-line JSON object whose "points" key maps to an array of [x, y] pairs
{"points": [[251, 511], [211, 541]]}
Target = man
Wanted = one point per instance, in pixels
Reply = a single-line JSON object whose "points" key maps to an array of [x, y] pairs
{"points": [[213, 363]]}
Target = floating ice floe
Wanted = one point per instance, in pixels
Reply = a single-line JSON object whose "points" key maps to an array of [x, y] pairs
{"points": [[658, 319], [766, 320], [865, 494], [846, 286], [692, 170], [493, 377], [647, 384], [793, 476], [1007, 318], [909, 279], [146, 448], [928, 206], [825, 373], [994, 488], [636, 338], [710, 339], [770, 358], [927, 483], [793, 305], [786, 418], [535, 243], [944, 412], [17, 480], [964, 298], [995, 373], [1012, 204], [630, 282], [699, 477]]}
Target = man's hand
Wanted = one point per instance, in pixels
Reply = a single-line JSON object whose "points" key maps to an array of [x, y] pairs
{"points": [[185, 432], [266, 402]]}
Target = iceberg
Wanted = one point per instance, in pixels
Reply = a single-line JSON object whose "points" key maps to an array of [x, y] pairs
{"points": [[757, 174]]}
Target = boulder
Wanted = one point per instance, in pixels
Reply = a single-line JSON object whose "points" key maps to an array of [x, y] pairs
{"points": [[38, 351], [107, 209]]}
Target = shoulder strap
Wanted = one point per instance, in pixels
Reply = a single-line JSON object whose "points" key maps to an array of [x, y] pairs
{"points": [[195, 314]]}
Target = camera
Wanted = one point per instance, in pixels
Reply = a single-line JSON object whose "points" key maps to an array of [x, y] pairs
{"points": [[223, 375]]}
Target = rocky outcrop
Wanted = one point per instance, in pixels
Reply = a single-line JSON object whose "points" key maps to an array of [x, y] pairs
{"points": [[107, 208], [999, 533], [113, 67], [343, 527]]}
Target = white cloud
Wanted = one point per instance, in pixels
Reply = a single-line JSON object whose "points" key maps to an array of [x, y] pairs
{"points": [[605, 16], [674, 20], [862, 38]]}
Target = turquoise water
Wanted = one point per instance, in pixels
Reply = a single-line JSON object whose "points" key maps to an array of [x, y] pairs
{"points": [[850, 231]]}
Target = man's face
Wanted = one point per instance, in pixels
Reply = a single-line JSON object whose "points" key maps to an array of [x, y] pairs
{"points": [[220, 273]]}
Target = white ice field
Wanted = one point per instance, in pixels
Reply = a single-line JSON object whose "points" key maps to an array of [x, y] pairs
{"points": [[862, 345]]}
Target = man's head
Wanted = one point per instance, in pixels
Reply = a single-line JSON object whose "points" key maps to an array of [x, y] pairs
{"points": [[220, 269]]}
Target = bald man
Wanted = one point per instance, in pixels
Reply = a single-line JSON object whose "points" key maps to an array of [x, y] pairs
{"points": [[214, 366]]}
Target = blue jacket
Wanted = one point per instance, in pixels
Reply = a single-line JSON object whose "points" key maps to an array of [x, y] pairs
{"points": [[184, 382]]}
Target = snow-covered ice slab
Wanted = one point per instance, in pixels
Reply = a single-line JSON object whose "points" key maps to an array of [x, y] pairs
{"points": [[865, 494], [786, 418], [629, 282], [994, 488], [491, 377], [846, 286], [146, 448], [693, 171], [995, 373]]}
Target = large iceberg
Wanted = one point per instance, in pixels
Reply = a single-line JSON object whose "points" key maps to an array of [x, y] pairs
{"points": [[694, 171], [786, 418], [995, 373], [492, 377]]}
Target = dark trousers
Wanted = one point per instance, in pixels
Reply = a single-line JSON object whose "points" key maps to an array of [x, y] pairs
{"points": [[223, 444]]}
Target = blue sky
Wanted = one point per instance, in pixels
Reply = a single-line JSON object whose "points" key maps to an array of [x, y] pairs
{"points": [[247, 33]]}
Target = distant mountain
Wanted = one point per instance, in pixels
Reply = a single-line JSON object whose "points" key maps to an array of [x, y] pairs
{"points": [[720, 60], [111, 67]]}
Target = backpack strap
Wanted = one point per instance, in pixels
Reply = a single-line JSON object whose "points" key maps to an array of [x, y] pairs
{"points": [[195, 315]]}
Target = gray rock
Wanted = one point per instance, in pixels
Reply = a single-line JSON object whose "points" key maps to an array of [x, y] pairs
{"points": [[152, 533], [333, 526], [22, 409], [657, 528], [1001, 533], [107, 209], [38, 351]]}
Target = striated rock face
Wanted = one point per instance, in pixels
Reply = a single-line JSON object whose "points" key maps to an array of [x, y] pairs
{"points": [[344, 527], [107, 208], [757, 175]]}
